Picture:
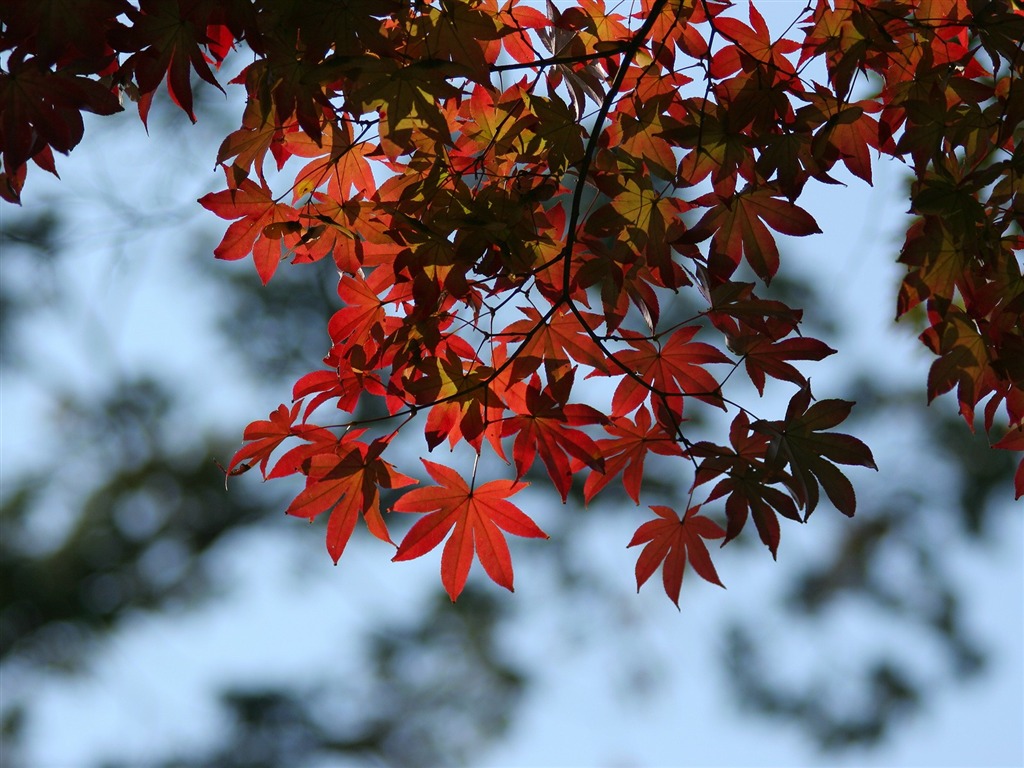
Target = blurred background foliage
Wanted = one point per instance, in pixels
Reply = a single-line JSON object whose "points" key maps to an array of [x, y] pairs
{"points": [[130, 510]]}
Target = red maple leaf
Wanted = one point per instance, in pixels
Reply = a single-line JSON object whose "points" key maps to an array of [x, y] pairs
{"points": [[625, 453], [545, 425], [249, 145], [265, 436], [363, 320], [737, 227], [340, 163], [349, 379], [677, 368], [554, 338], [478, 517], [165, 37], [261, 226], [1014, 441], [42, 111], [851, 132], [764, 355], [751, 42], [672, 542], [463, 404], [345, 481]]}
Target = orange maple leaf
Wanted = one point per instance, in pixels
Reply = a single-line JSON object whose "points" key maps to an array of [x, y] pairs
{"points": [[478, 517], [672, 542]]}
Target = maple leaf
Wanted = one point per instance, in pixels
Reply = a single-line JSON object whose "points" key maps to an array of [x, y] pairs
{"points": [[748, 482], [345, 480], [737, 227], [463, 405], [475, 516], [563, 40], [554, 338], [456, 31], [263, 228], [337, 230], [495, 124], [625, 453], [671, 542], [42, 109], [544, 425], [165, 38], [407, 97], [1014, 441], [340, 161], [265, 436], [736, 300], [249, 145], [799, 441], [645, 219], [557, 137], [363, 320], [676, 368], [515, 38], [763, 355], [718, 147], [640, 133], [754, 43], [963, 360], [936, 264], [349, 379], [59, 28], [851, 132]]}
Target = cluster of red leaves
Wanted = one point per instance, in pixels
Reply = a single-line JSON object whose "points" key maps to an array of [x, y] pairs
{"points": [[508, 190]]}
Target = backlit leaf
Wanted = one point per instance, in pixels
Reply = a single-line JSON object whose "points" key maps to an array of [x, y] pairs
{"points": [[475, 517], [671, 543]]}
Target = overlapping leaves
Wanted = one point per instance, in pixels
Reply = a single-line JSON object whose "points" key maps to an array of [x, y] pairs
{"points": [[506, 190]]}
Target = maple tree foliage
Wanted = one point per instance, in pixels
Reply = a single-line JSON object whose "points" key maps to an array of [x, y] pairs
{"points": [[511, 190]]}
